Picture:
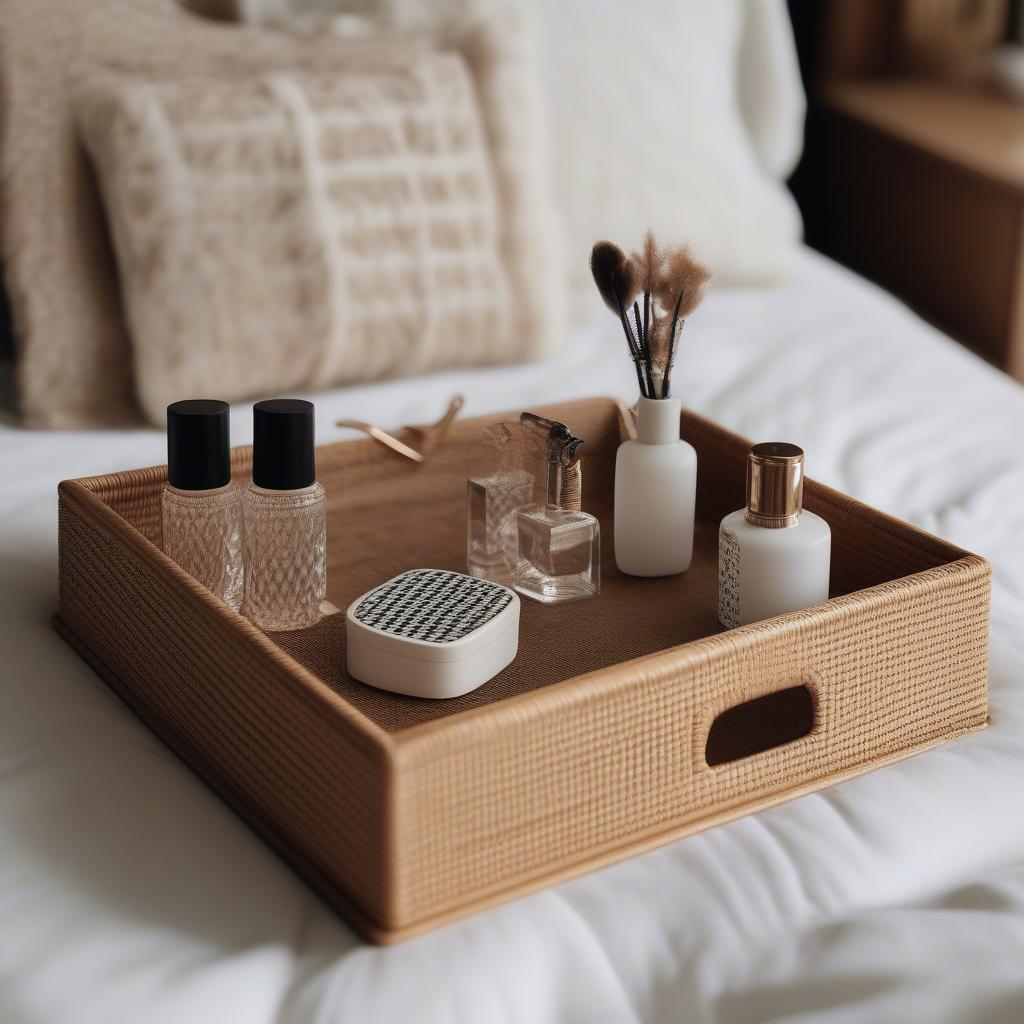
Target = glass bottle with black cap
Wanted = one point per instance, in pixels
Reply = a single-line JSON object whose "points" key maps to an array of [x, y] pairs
{"points": [[285, 521], [202, 507]]}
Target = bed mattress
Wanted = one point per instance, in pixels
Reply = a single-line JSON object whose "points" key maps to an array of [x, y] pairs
{"points": [[128, 892]]}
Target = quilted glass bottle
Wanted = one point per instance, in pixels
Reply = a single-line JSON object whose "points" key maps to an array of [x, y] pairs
{"points": [[203, 534], [286, 544], [201, 507], [285, 520]]}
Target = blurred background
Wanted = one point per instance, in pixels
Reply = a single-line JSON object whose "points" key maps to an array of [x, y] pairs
{"points": [[909, 169]]}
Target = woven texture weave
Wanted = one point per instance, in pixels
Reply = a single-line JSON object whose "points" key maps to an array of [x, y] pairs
{"points": [[591, 745]]}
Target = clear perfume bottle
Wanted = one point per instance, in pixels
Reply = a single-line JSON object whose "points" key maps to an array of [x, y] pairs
{"points": [[201, 506], [285, 520], [559, 545], [492, 547], [773, 555]]}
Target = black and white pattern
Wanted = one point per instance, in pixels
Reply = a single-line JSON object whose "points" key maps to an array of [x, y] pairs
{"points": [[728, 578], [434, 605]]}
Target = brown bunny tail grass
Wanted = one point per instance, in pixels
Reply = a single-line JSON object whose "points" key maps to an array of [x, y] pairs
{"points": [[614, 276], [664, 338], [652, 292], [659, 341], [647, 265], [616, 281]]}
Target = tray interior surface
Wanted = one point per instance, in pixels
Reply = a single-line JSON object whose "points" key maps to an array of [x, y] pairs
{"points": [[408, 517], [415, 516], [628, 619], [387, 514]]}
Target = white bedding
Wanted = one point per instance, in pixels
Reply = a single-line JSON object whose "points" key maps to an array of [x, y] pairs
{"points": [[129, 893]]}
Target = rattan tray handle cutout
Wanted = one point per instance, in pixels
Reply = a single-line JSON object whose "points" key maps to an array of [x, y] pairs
{"points": [[760, 724]]}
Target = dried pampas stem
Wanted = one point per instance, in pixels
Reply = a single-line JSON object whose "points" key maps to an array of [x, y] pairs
{"points": [[645, 353], [672, 339], [671, 283]]}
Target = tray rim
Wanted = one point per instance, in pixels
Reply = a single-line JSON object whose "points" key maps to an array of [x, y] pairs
{"points": [[331, 892], [682, 657]]}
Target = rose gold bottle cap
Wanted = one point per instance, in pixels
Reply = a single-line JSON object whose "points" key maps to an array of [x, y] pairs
{"points": [[775, 484]]}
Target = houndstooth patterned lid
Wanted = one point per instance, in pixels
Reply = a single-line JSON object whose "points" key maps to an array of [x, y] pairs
{"points": [[432, 605]]}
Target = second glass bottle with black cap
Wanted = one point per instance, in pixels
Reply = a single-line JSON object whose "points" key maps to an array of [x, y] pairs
{"points": [[285, 521], [202, 508]]}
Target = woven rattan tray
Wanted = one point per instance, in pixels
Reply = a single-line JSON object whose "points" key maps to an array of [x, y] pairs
{"points": [[614, 729]]}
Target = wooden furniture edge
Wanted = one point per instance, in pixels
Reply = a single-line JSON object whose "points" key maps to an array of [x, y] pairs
{"points": [[856, 100]]}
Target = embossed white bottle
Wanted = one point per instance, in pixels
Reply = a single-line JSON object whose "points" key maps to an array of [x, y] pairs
{"points": [[655, 492], [773, 556], [285, 520]]}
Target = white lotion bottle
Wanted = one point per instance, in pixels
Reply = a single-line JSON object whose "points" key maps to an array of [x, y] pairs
{"points": [[773, 555], [655, 494]]}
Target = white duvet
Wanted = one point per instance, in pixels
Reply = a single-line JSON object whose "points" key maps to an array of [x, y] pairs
{"points": [[129, 893]]}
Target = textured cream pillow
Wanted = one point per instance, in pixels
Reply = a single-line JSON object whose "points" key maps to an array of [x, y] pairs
{"points": [[292, 230], [71, 345]]}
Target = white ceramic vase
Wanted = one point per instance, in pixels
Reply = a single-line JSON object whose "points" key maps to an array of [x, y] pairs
{"points": [[655, 494]]}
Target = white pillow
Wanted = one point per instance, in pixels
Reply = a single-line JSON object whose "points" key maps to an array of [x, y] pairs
{"points": [[646, 130], [650, 107], [771, 93]]}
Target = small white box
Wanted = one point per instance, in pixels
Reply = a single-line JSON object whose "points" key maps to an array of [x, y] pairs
{"points": [[432, 633]]}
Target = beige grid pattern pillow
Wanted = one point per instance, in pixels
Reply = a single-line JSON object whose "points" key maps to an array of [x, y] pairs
{"points": [[72, 349], [74, 358], [295, 230]]}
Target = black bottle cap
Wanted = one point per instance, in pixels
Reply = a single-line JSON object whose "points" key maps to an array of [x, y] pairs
{"points": [[283, 456], [198, 445]]}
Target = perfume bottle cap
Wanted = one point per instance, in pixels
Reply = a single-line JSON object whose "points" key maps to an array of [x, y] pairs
{"points": [[775, 484], [284, 437], [198, 447], [562, 457]]}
